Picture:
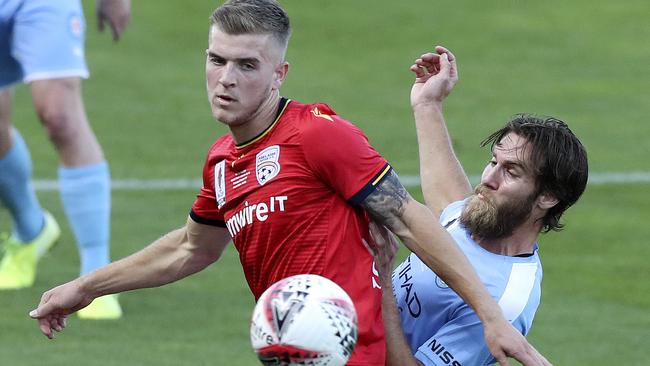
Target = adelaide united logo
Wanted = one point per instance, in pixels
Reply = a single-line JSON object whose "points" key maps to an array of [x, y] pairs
{"points": [[267, 164]]}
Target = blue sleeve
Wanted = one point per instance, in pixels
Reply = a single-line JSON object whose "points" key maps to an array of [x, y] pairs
{"points": [[460, 342]]}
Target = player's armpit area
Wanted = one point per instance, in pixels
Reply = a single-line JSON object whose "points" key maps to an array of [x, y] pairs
{"points": [[386, 204]]}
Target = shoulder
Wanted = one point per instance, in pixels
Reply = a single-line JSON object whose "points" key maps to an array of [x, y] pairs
{"points": [[319, 120], [221, 145], [218, 151], [451, 212]]}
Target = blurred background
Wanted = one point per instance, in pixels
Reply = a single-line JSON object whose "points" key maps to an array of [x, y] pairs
{"points": [[581, 61]]}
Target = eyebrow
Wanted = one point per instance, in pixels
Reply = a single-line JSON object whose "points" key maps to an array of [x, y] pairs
{"points": [[513, 164], [238, 60]]}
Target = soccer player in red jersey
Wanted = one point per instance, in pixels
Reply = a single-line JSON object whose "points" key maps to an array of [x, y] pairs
{"points": [[293, 186]]}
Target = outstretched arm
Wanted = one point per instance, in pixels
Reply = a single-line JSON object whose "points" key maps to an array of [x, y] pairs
{"points": [[443, 178], [392, 206], [178, 254]]}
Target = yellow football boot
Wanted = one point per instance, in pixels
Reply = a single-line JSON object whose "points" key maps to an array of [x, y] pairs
{"points": [[102, 308], [18, 265]]}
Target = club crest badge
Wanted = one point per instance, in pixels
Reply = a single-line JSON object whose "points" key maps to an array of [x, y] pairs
{"points": [[267, 164], [220, 182]]}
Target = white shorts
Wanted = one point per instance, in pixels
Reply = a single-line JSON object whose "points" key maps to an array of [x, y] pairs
{"points": [[41, 39]]}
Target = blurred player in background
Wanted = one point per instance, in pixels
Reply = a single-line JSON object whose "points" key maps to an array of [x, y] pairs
{"points": [[538, 169], [291, 186], [42, 44]]}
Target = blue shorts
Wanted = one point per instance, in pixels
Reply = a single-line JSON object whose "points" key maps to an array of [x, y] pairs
{"points": [[41, 39]]}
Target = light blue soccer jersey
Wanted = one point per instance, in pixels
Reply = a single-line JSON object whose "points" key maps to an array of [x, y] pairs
{"points": [[41, 39], [439, 326]]}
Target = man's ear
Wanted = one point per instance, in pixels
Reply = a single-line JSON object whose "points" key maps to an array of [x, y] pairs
{"points": [[280, 74], [546, 201]]}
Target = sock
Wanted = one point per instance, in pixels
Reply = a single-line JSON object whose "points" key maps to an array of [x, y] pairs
{"points": [[17, 192], [86, 197]]}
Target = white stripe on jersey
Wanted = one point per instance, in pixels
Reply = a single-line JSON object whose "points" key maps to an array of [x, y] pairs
{"points": [[517, 292]]}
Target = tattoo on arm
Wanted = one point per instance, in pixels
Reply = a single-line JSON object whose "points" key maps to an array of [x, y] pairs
{"points": [[387, 203]]}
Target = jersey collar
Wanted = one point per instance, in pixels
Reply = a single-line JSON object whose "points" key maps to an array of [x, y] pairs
{"points": [[282, 105]]}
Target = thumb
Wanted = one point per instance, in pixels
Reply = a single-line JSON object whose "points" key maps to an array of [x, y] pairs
{"points": [[41, 311], [445, 65]]}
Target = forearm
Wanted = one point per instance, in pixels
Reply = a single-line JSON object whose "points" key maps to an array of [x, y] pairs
{"points": [[166, 260], [391, 205], [398, 352], [443, 178], [436, 248]]}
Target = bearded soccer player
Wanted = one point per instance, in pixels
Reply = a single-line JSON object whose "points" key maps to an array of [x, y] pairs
{"points": [[537, 170], [291, 186]]}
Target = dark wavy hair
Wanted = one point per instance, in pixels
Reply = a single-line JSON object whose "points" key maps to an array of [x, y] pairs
{"points": [[557, 159]]}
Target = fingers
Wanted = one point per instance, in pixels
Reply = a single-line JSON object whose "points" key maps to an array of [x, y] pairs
{"points": [[529, 357], [100, 23], [374, 231], [545, 362], [51, 323], [503, 361], [116, 14], [45, 327], [419, 72], [537, 358], [428, 63], [119, 26], [371, 248], [442, 50], [441, 62]]}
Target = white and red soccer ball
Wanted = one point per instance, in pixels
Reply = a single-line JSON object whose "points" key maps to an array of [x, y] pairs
{"points": [[304, 320]]}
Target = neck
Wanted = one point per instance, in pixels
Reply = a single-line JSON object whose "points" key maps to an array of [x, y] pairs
{"points": [[521, 241], [260, 120]]}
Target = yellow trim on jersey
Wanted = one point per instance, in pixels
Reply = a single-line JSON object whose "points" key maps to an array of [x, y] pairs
{"points": [[381, 175], [267, 130]]}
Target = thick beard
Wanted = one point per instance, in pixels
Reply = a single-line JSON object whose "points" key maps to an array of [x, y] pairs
{"points": [[486, 220]]}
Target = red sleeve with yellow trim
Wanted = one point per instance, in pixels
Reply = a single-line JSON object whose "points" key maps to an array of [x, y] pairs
{"points": [[339, 153]]}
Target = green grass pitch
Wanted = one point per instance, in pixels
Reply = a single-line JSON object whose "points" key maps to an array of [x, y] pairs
{"points": [[582, 61]]}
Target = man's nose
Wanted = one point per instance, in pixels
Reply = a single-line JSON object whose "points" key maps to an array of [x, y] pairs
{"points": [[490, 177], [228, 75]]}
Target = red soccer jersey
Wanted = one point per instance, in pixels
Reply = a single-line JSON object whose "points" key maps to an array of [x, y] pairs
{"points": [[289, 200]]}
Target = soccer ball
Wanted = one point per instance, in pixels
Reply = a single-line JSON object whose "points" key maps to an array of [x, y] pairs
{"points": [[304, 320]]}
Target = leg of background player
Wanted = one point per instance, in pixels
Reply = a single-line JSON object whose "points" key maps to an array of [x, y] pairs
{"points": [[84, 180], [34, 231]]}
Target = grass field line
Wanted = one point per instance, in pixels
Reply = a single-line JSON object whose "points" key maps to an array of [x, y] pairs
{"points": [[408, 180]]}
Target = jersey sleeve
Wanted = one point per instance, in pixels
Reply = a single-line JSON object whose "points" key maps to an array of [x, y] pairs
{"points": [[205, 209], [339, 154], [459, 342]]}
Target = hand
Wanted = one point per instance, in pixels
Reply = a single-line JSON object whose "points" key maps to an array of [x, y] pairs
{"points": [[504, 340], [383, 247], [436, 74], [114, 12], [55, 306]]}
